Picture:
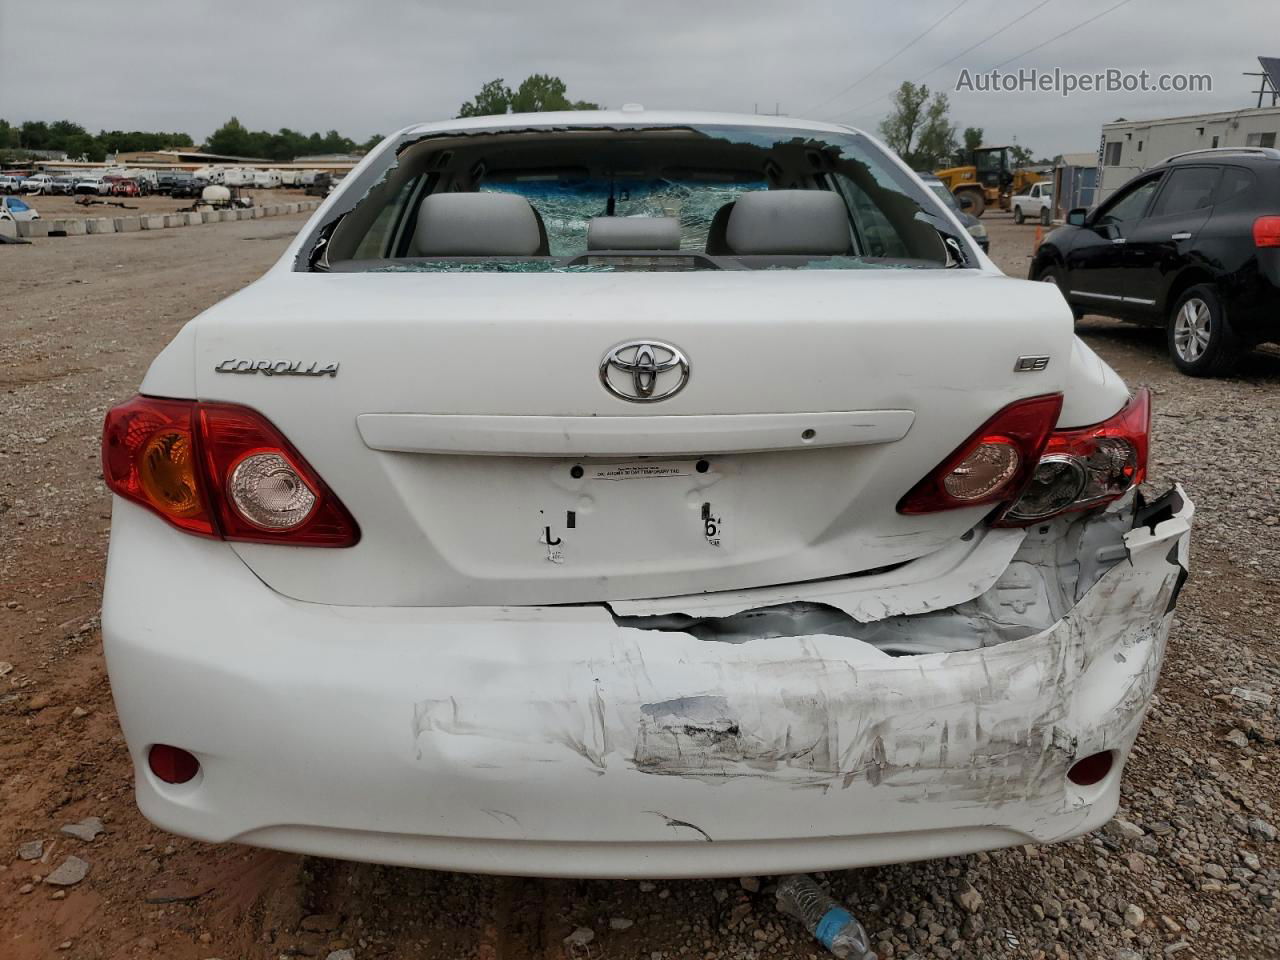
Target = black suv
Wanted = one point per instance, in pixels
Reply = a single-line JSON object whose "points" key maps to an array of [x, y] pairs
{"points": [[1192, 245]]}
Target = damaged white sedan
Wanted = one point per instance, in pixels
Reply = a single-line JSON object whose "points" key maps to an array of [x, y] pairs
{"points": [[634, 494]]}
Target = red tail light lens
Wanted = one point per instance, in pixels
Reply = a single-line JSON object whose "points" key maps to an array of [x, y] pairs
{"points": [[1088, 466], [172, 764], [1266, 232], [993, 464], [220, 470]]}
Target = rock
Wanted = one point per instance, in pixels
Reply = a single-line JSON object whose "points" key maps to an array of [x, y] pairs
{"points": [[70, 872], [1252, 696], [79, 712], [146, 943], [341, 955], [26, 888], [86, 830], [1261, 829], [647, 886], [750, 884], [1052, 908], [580, 937], [1237, 737], [1123, 830], [967, 898], [38, 702], [31, 850], [1135, 863], [1133, 916], [321, 922], [1160, 828], [1250, 860], [1178, 947], [1215, 871], [65, 945], [620, 923], [1170, 925]]}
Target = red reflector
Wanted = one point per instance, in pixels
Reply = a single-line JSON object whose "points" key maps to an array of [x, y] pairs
{"points": [[172, 764], [1266, 232], [1092, 769]]}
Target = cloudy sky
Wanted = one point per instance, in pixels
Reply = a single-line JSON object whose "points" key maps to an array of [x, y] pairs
{"points": [[375, 65]]}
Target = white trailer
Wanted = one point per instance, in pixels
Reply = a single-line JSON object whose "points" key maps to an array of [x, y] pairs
{"points": [[266, 179], [1129, 147]]}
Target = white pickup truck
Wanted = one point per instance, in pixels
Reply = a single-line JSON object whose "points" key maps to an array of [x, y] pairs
{"points": [[580, 488], [1035, 204]]}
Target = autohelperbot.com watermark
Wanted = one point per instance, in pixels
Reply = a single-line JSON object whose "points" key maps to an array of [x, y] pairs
{"points": [[1066, 83]]}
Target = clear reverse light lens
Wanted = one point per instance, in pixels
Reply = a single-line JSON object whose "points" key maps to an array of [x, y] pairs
{"points": [[269, 493], [1055, 485]]}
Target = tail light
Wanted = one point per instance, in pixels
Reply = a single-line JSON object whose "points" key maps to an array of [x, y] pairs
{"points": [[220, 470], [993, 464], [1088, 466], [1266, 232]]}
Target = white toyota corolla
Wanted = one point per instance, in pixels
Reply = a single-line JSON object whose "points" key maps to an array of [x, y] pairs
{"points": [[634, 493]]}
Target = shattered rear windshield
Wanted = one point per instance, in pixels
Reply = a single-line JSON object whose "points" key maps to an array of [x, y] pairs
{"points": [[655, 199]]}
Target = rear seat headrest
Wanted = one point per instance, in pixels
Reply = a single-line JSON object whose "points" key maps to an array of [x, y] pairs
{"points": [[477, 225], [633, 233], [786, 222]]}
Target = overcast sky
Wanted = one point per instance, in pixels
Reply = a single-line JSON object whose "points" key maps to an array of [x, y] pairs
{"points": [[373, 66]]}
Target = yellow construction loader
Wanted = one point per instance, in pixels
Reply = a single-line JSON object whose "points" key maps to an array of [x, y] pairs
{"points": [[987, 181]]}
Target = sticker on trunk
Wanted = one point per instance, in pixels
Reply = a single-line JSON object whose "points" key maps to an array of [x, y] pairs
{"points": [[644, 470]]}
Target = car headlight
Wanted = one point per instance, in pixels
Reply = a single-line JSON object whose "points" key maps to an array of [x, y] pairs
{"points": [[978, 231]]}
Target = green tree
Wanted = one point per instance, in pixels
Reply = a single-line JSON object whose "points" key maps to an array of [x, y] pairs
{"points": [[971, 140], [917, 128], [231, 138], [1020, 156], [494, 98], [538, 93]]}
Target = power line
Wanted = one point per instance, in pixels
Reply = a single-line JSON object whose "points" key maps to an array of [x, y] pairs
{"points": [[967, 50], [1039, 46], [1060, 35], [870, 73]]}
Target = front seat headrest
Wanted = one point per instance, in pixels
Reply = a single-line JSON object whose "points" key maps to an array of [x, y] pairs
{"points": [[633, 233], [478, 225], [788, 222]]}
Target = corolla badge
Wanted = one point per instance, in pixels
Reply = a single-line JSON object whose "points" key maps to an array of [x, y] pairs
{"points": [[278, 368], [644, 371]]}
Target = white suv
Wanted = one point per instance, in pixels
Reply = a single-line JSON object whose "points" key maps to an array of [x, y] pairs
{"points": [[581, 488]]}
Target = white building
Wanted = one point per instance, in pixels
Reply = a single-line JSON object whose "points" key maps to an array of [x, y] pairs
{"points": [[1130, 146]]}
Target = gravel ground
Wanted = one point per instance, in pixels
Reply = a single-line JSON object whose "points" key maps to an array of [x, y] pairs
{"points": [[1192, 868]]}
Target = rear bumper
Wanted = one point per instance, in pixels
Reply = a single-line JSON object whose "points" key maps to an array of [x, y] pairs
{"points": [[550, 741]]}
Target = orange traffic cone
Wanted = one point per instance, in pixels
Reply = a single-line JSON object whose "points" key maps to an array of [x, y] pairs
{"points": [[1039, 237]]}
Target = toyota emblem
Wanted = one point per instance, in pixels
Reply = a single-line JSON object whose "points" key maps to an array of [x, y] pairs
{"points": [[644, 371]]}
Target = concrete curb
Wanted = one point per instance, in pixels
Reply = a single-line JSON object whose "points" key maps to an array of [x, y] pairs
{"points": [[151, 221]]}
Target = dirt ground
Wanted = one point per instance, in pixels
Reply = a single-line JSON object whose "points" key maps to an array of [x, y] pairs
{"points": [[66, 208], [1193, 872]]}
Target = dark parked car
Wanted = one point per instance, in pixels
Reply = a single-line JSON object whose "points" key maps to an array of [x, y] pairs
{"points": [[1192, 245], [972, 224], [185, 185], [164, 183]]}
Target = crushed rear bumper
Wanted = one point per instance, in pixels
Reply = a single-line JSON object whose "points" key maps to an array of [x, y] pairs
{"points": [[552, 741]]}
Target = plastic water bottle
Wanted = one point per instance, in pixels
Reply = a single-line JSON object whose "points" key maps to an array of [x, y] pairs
{"points": [[831, 924]]}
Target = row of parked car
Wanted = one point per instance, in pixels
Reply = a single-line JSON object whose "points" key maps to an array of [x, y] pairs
{"points": [[115, 185]]}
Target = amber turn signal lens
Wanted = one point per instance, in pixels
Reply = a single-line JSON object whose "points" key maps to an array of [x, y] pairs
{"points": [[167, 473]]}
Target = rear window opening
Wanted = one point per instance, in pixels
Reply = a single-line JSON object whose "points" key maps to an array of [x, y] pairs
{"points": [[656, 199]]}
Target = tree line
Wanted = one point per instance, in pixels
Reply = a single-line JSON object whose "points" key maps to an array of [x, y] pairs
{"points": [[230, 138]]}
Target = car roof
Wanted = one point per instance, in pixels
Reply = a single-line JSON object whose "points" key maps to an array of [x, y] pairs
{"points": [[625, 117], [1247, 155]]}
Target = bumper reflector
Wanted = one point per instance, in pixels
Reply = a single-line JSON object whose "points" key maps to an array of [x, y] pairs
{"points": [[172, 764]]}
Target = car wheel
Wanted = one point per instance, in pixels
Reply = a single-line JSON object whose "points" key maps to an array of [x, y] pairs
{"points": [[1017, 215], [1044, 217], [1200, 342]]}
